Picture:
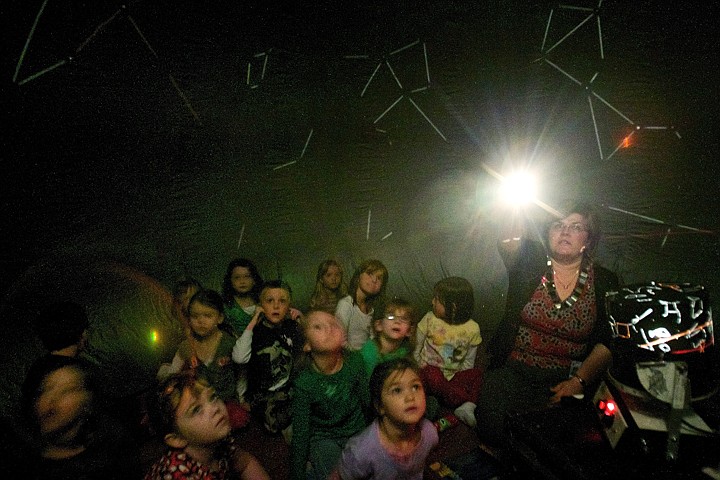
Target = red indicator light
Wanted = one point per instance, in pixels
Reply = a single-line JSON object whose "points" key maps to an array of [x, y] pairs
{"points": [[607, 407]]}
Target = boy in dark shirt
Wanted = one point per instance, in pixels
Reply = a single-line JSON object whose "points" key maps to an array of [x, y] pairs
{"points": [[268, 346]]}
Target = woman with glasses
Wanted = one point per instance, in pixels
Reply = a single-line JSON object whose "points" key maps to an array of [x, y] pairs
{"points": [[554, 339]]}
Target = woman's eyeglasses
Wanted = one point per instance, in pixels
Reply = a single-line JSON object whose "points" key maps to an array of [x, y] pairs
{"points": [[570, 227]]}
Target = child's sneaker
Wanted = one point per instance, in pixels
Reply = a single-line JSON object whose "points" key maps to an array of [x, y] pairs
{"points": [[466, 414], [448, 421]]}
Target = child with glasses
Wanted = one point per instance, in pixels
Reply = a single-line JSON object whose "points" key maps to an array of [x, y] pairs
{"points": [[393, 335]]}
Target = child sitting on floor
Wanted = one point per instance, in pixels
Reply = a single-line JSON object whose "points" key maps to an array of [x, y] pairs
{"points": [[196, 426], [241, 291], [330, 396], [397, 443], [72, 437], [268, 347], [208, 350], [355, 311], [394, 335], [447, 345], [329, 287]]}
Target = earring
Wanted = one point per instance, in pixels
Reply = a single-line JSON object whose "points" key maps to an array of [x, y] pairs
{"points": [[582, 249]]}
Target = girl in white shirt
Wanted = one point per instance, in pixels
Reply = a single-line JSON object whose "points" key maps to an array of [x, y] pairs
{"points": [[355, 311]]}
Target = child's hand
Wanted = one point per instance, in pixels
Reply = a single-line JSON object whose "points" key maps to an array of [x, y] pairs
{"points": [[295, 314], [255, 318]]}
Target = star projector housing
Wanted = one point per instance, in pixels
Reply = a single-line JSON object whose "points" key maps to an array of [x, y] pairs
{"points": [[670, 322]]}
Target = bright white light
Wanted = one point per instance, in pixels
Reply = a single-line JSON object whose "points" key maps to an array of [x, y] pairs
{"points": [[518, 188]]}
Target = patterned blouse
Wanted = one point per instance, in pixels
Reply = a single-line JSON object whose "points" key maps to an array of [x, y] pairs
{"points": [[178, 465], [551, 337]]}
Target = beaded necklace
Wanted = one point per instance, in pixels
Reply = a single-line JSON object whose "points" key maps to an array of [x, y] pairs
{"points": [[552, 290]]}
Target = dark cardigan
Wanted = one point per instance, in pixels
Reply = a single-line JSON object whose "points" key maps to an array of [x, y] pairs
{"points": [[523, 278]]}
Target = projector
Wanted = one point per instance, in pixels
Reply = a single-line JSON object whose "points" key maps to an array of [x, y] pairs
{"points": [[663, 344]]}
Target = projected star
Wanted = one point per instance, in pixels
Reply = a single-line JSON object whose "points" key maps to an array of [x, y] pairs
{"points": [[97, 31], [590, 14], [259, 64], [418, 81], [592, 96]]}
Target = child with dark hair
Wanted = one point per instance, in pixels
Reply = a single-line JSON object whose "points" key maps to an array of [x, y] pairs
{"points": [[329, 286], [182, 293], [195, 424], [398, 442], [355, 311], [72, 437], [208, 352], [393, 335], [268, 347], [447, 345], [241, 292], [62, 328]]}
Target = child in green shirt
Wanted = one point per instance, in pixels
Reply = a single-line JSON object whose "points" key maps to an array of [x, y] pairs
{"points": [[330, 397], [393, 335]]}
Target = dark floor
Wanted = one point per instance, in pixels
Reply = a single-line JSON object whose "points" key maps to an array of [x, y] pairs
{"points": [[271, 450]]}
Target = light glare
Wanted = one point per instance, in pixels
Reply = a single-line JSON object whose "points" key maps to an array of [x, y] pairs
{"points": [[518, 188]]}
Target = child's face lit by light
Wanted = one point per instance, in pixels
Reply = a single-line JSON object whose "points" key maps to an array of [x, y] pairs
{"points": [[323, 333], [275, 303], [395, 325], [403, 398], [371, 282], [201, 418]]}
